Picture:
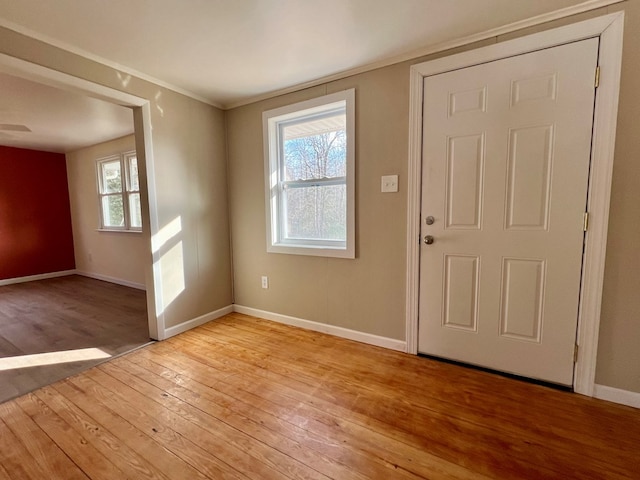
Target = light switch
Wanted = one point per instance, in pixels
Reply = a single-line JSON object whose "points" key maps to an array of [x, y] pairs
{"points": [[389, 183]]}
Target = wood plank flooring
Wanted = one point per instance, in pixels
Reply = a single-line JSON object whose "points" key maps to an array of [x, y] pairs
{"points": [[65, 313], [244, 398]]}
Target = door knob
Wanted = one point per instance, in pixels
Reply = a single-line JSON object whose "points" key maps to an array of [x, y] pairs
{"points": [[428, 239]]}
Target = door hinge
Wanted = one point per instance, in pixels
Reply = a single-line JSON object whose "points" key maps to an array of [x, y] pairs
{"points": [[585, 222], [575, 353], [597, 80]]}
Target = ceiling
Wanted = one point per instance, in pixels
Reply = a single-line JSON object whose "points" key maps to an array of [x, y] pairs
{"points": [[228, 52], [45, 118]]}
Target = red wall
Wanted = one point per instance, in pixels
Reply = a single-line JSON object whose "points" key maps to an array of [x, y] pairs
{"points": [[35, 218]]}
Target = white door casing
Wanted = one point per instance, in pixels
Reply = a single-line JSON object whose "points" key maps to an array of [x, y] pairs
{"points": [[506, 149], [608, 29], [144, 149]]}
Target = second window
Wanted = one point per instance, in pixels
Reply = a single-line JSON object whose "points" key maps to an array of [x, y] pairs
{"points": [[119, 193]]}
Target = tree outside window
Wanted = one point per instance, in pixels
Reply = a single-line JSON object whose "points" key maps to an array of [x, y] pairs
{"points": [[315, 186]]}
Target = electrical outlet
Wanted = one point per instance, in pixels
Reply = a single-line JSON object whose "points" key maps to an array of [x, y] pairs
{"points": [[265, 282], [389, 183]]}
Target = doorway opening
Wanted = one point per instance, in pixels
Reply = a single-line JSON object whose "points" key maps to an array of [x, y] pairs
{"points": [[111, 311]]}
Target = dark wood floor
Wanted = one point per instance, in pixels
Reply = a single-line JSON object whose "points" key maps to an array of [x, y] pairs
{"points": [[243, 398], [61, 314]]}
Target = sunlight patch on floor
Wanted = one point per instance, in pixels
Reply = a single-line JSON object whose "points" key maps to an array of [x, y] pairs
{"points": [[52, 358]]}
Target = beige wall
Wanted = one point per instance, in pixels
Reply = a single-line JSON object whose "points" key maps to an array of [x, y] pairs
{"points": [[368, 293], [619, 346], [190, 179], [365, 294], [116, 255]]}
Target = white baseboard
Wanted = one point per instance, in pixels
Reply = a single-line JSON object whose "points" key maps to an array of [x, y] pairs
{"points": [[196, 322], [617, 395], [118, 281], [33, 278], [368, 338]]}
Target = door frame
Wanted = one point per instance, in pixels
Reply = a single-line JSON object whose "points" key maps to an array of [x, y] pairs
{"points": [[609, 28], [141, 108]]}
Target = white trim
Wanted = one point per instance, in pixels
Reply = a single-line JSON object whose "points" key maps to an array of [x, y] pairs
{"points": [[125, 193], [153, 274], [603, 144], [96, 58], [117, 281], [347, 333], [196, 322], [440, 47], [527, 44], [413, 213], [624, 397], [609, 29], [33, 278], [114, 230]]}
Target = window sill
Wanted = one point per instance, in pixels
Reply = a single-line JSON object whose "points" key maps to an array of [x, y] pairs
{"points": [[313, 251], [113, 230]]}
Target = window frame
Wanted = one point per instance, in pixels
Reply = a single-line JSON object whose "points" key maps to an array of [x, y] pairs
{"points": [[124, 159], [273, 122]]}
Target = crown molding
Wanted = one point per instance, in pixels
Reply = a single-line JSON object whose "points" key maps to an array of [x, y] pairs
{"points": [[104, 61], [432, 49]]}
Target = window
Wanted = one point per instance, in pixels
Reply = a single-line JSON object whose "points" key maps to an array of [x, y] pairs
{"points": [[309, 170], [119, 193]]}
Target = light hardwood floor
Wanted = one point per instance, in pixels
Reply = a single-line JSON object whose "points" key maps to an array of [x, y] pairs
{"points": [[65, 314], [244, 398]]}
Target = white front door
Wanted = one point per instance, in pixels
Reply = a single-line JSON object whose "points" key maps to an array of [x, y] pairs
{"points": [[506, 152]]}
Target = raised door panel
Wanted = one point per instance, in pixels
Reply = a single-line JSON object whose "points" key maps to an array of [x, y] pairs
{"points": [[460, 296], [465, 167], [529, 177], [522, 299]]}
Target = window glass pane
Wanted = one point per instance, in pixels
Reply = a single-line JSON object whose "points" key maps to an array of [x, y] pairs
{"points": [[315, 149], [134, 210], [113, 211], [134, 185], [316, 213], [111, 177]]}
